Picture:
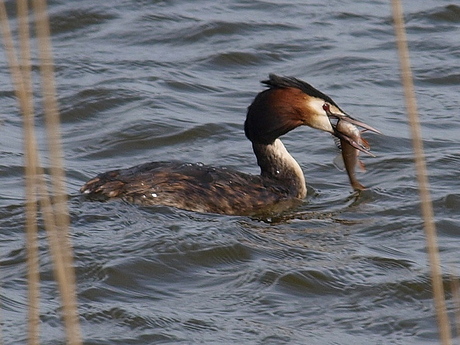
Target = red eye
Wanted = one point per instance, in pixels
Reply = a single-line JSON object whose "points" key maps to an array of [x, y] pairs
{"points": [[326, 107]]}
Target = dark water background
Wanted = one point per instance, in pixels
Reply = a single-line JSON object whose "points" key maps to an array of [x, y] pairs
{"points": [[154, 80]]}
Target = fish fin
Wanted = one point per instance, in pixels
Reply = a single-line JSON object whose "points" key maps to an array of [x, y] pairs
{"points": [[337, 143], [357, 186], [365, 143], [338, 162]]}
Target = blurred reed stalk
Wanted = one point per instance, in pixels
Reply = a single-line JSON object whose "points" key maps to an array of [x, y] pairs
{"points": [[455, 288], [53, 205], [422, 176]]}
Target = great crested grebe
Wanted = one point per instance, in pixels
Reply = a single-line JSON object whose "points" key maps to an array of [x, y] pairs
{"points": [[287, 104]]}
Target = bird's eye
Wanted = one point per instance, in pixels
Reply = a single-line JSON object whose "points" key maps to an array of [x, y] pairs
{"points": [[326, 106]]}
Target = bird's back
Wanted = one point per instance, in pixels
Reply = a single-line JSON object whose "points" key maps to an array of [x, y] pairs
{"points": [[194, 187]]}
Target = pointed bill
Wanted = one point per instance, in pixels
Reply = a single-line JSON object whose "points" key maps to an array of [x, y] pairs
{"points": [[353, 121]]}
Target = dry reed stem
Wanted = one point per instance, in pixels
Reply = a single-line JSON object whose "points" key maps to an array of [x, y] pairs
{"points": [[421, 171], [31, 160], [59, 235], [55, 214], [22, 86], [455, 287]]}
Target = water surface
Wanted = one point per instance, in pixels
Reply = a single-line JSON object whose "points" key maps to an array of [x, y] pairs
{"points": [[155, 80]]}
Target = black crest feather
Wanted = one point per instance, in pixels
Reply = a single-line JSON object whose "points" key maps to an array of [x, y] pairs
{"points": [[276, 81]]}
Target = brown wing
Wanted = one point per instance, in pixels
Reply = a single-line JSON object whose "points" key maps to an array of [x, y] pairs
{"points": [[193, 187]]}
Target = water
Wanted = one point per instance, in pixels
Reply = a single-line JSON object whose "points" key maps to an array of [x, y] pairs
{"points": [[153, 80]]}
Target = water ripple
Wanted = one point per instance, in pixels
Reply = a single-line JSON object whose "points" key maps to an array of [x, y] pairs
{"points": [[145, 81]]}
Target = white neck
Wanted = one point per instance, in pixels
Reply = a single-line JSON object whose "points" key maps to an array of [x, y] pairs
{"points": [[277, 163]]}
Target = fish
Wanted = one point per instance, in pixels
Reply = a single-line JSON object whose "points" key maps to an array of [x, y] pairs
{"points": [[349, 140], [351, 143]]}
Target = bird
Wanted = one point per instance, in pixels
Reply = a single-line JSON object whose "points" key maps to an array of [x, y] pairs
{"points": [[284, 105]]}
